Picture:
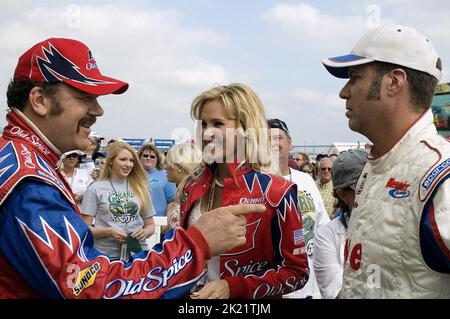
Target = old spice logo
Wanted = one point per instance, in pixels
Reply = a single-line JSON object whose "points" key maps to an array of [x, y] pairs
{"points": [[291, 284], [27, 156], [235, 268], [155, 278], [33, 139]]}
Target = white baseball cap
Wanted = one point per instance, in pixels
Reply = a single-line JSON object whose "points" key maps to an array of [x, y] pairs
{"points": [[394, 44], [77, 152]]}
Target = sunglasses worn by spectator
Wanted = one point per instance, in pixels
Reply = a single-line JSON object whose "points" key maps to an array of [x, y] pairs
{"points": [[148, 155], [325, 169]]}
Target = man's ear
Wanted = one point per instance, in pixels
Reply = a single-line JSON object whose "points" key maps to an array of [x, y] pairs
{"points": [[39, 103], [396, 81]]}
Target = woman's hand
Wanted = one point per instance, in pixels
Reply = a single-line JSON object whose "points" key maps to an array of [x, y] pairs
{"points": [[118, 234], [146, 231], [140, 234], [217, 289]]}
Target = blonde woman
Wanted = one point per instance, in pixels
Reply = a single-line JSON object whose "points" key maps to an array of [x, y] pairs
{"points": [[181, 162], [237, 154], [120, 204]]}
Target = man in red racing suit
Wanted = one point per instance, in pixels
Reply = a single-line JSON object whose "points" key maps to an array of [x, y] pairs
{"points": [[46, 250]]}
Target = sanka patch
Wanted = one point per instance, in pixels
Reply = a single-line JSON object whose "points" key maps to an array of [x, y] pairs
{"points": [[397, 189], [86, 278]]}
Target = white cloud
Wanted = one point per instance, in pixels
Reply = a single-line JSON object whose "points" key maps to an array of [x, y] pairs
{"points": [[149, 48], [306, 26], [170, 56], [311, 115]]}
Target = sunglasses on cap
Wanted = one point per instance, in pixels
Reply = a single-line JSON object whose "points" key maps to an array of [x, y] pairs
{"points": [[148, 155], [73, 155]]}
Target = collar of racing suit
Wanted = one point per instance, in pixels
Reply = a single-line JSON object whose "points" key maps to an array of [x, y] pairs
{"points": [[200, 183], [21, 128]]}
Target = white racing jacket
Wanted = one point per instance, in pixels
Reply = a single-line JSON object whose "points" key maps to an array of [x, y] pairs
{"points": [[398, 238]]}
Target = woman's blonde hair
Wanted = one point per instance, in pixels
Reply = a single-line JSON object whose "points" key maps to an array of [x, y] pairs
{"points": [[242, 105], [137, 178], [186, 157]]}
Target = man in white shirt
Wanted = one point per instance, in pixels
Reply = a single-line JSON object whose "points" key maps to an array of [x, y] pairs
{"points": [[329, 243], [310, 201]]}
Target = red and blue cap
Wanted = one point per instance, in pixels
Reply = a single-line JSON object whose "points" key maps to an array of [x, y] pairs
{"points": [[69, 61]]}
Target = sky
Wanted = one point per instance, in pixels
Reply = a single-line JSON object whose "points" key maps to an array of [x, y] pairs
{"points": [[170, 51]]}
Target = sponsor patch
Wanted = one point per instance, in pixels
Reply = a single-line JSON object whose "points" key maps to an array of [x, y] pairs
{"points": [[86, 278], [258, 200], [435, 173], [298, 251], [397, 189]]}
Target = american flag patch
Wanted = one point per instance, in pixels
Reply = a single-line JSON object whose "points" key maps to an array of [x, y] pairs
{"points": [[298, 237]]}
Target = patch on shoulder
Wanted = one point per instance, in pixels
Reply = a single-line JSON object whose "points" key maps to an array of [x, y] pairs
{"points": [[432, 178]]}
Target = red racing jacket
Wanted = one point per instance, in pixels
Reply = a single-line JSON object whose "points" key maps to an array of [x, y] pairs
{"points": [[273, 261], [46, 250]]}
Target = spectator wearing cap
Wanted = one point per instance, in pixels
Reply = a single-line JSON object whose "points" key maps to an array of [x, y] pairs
{"points": [[400, 221], [161, 190], [325, 185], [78, 178], [329, 243], [310, 201]]}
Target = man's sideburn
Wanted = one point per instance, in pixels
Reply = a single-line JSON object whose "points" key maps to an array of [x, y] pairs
{"points": [[56, 108]]}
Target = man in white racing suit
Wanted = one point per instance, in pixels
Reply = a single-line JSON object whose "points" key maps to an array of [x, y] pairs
{"points": [[398, 240]]}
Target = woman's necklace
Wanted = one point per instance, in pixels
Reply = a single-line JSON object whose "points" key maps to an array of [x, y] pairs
{"points": [[212, 192], [217, 183]]}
